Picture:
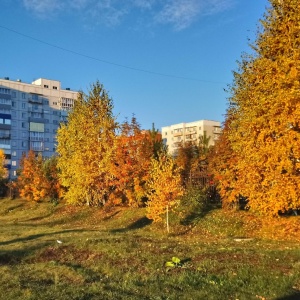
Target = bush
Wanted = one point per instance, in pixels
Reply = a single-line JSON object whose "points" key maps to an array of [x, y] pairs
{"points": [[195, 203]]}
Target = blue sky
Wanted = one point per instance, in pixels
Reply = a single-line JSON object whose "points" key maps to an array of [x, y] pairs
{"points": [[166, 61]]}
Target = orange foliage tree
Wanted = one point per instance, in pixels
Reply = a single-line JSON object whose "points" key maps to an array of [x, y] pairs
{"points": [[130, 166], [222, 162], [164, 186], [32, 183], [265, 130]]}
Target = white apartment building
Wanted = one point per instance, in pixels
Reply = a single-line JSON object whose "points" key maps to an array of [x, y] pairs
{"points": [[30, 115], [174, 135]]}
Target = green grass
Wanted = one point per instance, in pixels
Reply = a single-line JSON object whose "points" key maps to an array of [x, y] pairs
{"points": [[120, 254]]}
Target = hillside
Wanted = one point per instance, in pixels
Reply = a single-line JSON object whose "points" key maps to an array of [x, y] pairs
{"points": [[67, 252]]}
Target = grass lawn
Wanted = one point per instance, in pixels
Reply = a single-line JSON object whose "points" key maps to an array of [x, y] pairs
{"points": [[65, 252]]}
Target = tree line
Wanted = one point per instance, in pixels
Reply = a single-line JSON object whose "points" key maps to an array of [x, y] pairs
{"points": [[100, 162], [256, 159]]}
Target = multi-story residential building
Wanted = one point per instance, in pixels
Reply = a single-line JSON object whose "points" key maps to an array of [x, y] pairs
{"points": [[29, 117], [174, 135]]}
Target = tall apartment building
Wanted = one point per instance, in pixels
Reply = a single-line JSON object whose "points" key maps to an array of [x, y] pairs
{"points": [[174, 135], [29, 117]]}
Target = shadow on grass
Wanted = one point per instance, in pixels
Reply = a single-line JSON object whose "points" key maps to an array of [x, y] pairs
{"points": [[11, 257], [295, 296], [11, 208], [195, 216], [138, 224], [36, 236]]}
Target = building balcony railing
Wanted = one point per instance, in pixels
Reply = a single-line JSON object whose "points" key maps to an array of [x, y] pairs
{"points": [[35, 101], [4, 136], [36, 139], [38, 110], [37, 148], [177, 133]]}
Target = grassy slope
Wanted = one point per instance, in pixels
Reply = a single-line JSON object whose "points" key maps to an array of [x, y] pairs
{"points": [[119, 254]]}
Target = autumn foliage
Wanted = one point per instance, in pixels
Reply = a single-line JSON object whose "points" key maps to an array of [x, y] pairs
{"points": [[130, 165], [263, 134], [38, 178], [86, 145], [164, 186]]}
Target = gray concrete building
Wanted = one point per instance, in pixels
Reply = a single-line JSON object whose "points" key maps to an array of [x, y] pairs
{"points": [[30, 114]]}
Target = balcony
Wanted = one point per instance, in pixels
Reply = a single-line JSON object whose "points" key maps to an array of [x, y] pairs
{"points": [[4, 136], [36, 139], [35, 100], [177, 133]]}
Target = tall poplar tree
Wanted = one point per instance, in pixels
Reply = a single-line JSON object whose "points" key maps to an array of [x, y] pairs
{"points": [[85, 147], [265, 109]]}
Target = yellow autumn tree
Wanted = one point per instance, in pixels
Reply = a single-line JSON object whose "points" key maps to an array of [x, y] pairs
{"points": [[3, 169], [86, 145], [265, 131], [164, 186]]}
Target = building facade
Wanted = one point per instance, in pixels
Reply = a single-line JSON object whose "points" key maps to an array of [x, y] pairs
{"points": [[174, 135], [30, 115]]}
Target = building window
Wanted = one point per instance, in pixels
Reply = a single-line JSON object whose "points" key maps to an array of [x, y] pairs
{"points": [[23, 96], [54, 103], [14, 143], [14, 153], [23, 125], [14, 163], [24, 134], [34, 97], [4, 91], [13, 104], [37, 146], [23, 115], [46, 86], [23, 105], [14, 173], [55, 87], [24, 144], [14, 94]]}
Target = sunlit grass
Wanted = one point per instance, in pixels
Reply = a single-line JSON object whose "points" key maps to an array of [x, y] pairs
{"points": [[119, 254]]}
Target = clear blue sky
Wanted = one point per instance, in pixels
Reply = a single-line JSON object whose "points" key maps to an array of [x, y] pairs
{"points": [[166, 61]]}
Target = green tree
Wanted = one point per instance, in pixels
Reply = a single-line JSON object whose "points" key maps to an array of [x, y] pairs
{"points": [[86, 145], [265, 130], [157, 142], [51, 173]]}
